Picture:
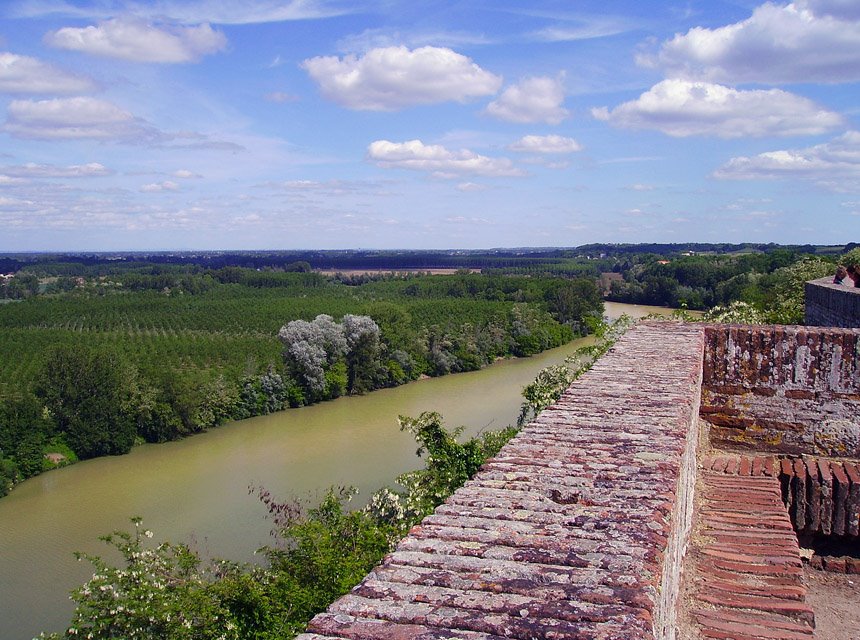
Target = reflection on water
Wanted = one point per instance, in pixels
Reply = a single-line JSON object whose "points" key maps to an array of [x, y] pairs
{"points": [[197, 489]]}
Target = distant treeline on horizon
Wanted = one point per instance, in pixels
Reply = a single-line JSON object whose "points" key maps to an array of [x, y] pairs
{"points": [[11, 262]]}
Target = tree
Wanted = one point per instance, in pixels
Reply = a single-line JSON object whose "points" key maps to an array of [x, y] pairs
{"points": [[364, 369], [160, 593], [24, 432], [88, 392], [572, 300], [310, 348], [789, 305]]}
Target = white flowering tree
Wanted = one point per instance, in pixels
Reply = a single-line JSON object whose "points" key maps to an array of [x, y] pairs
{"points": [[310, 348], [328, 358]]}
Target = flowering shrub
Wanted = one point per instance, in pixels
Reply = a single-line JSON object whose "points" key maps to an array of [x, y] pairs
{"points": [[448, 464], [738, 312], [552, 381], [161, 592]]}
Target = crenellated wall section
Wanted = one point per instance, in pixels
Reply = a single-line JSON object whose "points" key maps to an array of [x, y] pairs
{"points": [[789, 390]]}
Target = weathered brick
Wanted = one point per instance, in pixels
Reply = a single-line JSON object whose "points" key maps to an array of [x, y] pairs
{"points": [[568, 532], [746, 562]]}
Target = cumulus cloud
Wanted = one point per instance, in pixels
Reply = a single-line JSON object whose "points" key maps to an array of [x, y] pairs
{"points": [[806, 41], [390, 78], [683, 108], [534, 99], [138, 41], [833, 165], [848, 9], [155, 187], [545, 144], [438, 160], [76, 118], [23, 74], [32, 170]]}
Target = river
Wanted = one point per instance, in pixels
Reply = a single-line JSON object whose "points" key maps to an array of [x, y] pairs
{"points": [[197, 490]]}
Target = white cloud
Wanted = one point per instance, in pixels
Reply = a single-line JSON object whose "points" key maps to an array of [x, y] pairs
{"points": [[328, 187], [15, 203], [545, 144], [848, 9], [640, 187], [380, 38], [683, 108], [185, 174], [76, 118], [32, 170], [193, 11], [471, 187], [155, 187], [465, 220], [806, 41], [534, 99], [23, 74], [833, 165], [583, 28], [391, 78], [139, 41], [438, 160]]}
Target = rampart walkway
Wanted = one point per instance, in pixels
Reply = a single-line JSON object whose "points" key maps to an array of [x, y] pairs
{"points": [[579, 528], [576, 530]]}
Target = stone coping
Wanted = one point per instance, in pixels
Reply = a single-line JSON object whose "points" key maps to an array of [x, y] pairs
{"points": [[576, 530], [828, 283]]}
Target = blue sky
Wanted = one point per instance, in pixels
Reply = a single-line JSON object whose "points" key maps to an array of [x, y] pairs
{"points": [[263, 124]]}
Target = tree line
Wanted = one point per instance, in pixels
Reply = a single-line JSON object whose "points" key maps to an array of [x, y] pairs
{"points": [[87, 373]]}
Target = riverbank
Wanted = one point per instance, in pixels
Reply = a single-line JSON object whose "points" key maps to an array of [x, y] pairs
{"points": [[197, 489]]}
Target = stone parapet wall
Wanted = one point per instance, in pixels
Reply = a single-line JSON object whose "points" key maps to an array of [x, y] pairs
{"points": [[577, 529], [791, 390], [831, 305], [745, 578], [798, 361], [821, 496]]}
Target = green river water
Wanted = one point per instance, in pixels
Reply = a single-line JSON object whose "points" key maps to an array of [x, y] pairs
{"points": [[197, 489]]}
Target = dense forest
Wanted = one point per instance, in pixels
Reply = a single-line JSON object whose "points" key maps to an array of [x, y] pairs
{"points": [[132, 352]]}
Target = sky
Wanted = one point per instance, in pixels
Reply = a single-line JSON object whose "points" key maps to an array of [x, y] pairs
{"points": [[328, 124]]}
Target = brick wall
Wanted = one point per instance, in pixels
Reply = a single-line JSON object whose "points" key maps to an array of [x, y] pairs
{"points": [[577, 529], [832, 305], [785, 389]]}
